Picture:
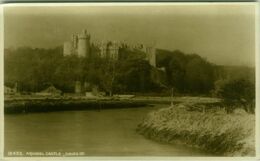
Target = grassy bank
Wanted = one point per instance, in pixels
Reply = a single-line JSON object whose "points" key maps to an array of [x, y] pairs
{"points": [[32, 103], [150, 99], [214, 131], [49, 105]]}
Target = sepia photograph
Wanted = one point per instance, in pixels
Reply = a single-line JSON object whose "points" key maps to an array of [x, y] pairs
{"points": [[129, 80]]}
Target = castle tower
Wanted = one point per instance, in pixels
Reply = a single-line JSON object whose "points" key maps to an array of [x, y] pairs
{"points": [[151, 55], [67, 48], [74, 41], [84, 44]]}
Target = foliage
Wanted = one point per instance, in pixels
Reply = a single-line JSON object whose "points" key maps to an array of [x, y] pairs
{"points": [[237, 91], [187, 73], [230, 135], [36, 69], [200, 76]]}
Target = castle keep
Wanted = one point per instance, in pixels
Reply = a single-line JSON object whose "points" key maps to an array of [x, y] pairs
{"points": [[79, 45]]}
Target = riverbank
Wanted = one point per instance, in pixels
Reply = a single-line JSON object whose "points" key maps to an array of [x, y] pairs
{"points": [[30, 103], [49, 105], [213, 131]]}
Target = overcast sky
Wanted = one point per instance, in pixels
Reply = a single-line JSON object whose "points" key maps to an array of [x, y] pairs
{"points": [[223, 34]]}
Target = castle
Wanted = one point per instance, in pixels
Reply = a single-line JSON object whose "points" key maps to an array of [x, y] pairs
{"points": [[80, 45]]}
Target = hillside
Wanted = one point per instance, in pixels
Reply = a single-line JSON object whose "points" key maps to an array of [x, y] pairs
{"points": [[36, 69]]}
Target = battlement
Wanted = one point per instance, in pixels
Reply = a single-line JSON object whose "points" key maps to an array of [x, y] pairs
{"points": [[80, 46], [84, 35]]}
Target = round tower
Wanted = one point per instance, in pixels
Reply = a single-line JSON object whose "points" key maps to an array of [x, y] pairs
{"points": [[84, 44]]}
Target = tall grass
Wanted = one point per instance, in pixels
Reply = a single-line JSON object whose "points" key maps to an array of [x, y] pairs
{"points": [[216, 132]]}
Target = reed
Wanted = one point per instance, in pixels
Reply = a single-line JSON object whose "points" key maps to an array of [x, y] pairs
{"points": [[216, 132]]}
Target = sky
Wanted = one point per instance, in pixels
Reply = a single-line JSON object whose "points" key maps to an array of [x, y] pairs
{"points": [[223, 34]]}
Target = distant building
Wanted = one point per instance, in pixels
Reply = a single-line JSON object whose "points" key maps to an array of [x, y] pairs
{"points": [[79, 45], [8, 90], [67, 48], [50, 91], [83, 44], [78, 88], [11, 91], [109, 50]]}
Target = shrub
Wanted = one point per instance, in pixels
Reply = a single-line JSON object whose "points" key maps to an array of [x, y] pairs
{"points": [[236, 92]]}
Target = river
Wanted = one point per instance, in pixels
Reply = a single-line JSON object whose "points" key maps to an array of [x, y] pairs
{"points": [[108, 132]]}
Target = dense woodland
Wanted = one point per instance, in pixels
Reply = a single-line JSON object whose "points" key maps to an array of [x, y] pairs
{"points": [[188, 74]]}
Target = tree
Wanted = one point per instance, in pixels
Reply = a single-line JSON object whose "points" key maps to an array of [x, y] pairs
{"points": [[199, 76], [135, 75], [108, 76], [237, 92], [175, 74]]}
